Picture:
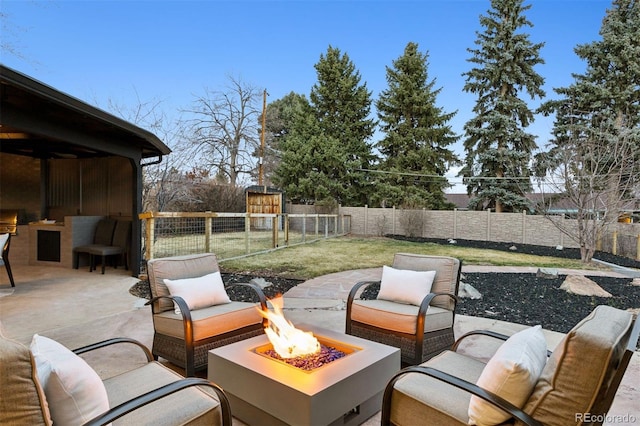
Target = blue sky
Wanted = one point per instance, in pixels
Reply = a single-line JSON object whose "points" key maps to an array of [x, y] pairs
{"points": [[124, 50]]}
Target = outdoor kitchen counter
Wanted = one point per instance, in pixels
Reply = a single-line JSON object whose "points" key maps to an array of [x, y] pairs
{"points": [[52, 243]]}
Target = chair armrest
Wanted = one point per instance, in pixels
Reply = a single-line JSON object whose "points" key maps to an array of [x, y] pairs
{"points": [[355, 288], [114, 341], [352, 296], [488, 333], [139, 401], [429, 297], [457, 382], [256, 288], [184, 308]]}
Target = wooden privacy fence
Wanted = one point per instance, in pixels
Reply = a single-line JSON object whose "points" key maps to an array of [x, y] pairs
{"points": [[231, 235]]}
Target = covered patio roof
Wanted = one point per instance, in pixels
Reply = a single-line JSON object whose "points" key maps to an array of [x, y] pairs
{"points": [[42, 122], [39, 122]]}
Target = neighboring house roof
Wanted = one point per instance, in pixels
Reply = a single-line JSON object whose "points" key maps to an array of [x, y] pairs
{"points": [[461, 201], [40, 121], [554, 203]]}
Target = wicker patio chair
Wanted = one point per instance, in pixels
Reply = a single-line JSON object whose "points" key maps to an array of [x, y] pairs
{"points": [[185, 338], [421, 331], [576, 385], [48, 383], [5, 244]]}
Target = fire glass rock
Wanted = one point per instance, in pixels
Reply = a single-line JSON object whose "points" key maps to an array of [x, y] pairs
{"points": [[326, 355]]}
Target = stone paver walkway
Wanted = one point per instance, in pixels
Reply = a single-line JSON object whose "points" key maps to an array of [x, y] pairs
{"points": [[338, 285]]}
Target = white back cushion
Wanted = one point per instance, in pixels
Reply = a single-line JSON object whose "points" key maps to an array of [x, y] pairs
{"points": [[75, 393], [511, 373], [200, 292], [404, 285]]}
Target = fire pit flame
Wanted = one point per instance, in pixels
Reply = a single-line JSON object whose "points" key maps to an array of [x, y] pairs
{"points": [[287, 341]]}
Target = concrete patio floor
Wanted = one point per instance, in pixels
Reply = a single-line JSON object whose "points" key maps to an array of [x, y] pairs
{"points": [[76, 308]]}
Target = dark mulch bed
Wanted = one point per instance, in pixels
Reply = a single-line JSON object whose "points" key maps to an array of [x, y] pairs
{"points": [[518, 298], [565, 253], [526, 299], [237, 293]]}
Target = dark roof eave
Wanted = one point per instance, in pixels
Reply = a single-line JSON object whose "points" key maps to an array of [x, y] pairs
{"points": [[40, 89]]}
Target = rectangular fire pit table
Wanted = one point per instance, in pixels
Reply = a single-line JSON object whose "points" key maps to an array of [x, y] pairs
{"points": [[265, 391]]}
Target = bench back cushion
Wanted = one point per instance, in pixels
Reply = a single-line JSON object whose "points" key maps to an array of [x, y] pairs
{"points": [[22, 400], [581, 367], [174, 268]]}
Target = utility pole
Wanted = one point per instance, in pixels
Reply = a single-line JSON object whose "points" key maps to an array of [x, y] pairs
{"points": [[264, 119]]}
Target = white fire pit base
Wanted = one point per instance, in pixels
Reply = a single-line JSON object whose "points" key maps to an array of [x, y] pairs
{"points": [[264, 391]]}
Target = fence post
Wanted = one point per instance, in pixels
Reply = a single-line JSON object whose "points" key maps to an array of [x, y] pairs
{"points": [[488, 224], [151, 222], [304, 227], [638, 248], [274, 232], [317, 225], [614, 243], [247, 230], [207, 233], [524, 227], [286, 229], [393, 220], [326, 226], [366, 218], [455, 223]]}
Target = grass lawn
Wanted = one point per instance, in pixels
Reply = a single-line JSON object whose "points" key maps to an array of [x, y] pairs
{"points": [[345, 253]]}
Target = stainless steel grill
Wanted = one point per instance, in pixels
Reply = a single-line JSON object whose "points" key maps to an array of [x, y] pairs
{"points": [[8, 221]]}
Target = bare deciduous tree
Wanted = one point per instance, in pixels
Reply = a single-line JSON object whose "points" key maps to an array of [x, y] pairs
{"points": [[225, 129], [164, 184], [597, 177]]}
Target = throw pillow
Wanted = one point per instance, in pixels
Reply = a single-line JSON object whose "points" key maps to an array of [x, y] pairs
{"points": [[404, 285], [200, 292], [75, 393], [511, 373]]}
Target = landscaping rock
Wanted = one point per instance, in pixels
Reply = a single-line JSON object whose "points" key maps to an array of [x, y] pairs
{"points": [[549, 273], [261, 282], [583, 286], [636, 282], [467, 291]]}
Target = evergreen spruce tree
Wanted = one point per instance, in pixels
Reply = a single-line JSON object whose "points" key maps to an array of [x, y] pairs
{"points": [[414, 149], [498, 148], [605, 100], [281, 115], [341, 106]]}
